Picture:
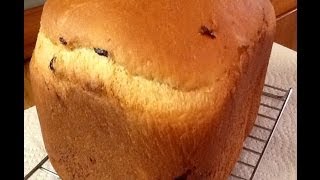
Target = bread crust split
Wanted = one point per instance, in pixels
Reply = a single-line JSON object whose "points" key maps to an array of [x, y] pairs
{"points": [[149, 89]]}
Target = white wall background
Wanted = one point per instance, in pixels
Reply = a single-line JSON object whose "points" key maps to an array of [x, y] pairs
{"points": [[32, 3]]}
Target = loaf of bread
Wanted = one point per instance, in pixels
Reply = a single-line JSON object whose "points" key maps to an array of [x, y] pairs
{"points": [[149, 89]]}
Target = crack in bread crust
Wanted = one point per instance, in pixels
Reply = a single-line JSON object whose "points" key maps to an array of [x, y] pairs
{"points": [[65, 49], [102, 76]]}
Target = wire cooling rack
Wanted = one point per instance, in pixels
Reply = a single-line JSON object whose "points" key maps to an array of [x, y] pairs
{"points": [[272, 105]]}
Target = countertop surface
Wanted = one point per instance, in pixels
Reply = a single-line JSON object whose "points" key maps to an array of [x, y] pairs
{"points": [[279, 161]]}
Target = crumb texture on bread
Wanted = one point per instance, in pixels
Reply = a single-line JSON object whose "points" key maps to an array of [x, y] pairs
{"points": [[149, 89]]}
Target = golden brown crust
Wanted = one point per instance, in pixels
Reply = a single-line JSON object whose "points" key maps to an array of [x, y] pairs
{"points": [[160, 40], [28, 96], [166, 102]]}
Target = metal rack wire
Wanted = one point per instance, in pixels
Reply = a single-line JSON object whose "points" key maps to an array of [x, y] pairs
{"points": [[273, 101]]}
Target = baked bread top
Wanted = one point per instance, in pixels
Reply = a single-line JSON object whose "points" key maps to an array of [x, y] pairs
{"points": [[186, 45]]}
